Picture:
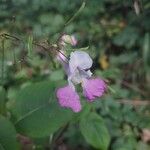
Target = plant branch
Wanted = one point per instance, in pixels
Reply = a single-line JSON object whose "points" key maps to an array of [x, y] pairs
{"points": [[134, 88], [3, 57], [134, 102], [47, 49]]}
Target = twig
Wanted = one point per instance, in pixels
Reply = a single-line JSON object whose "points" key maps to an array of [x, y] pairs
{"points": [[134, 102], [61, 132], [5, 35], [3, 55], [58, 136], [134, 88]]}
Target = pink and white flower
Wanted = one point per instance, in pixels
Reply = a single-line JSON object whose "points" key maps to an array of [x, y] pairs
{"points": [[78, 71]]}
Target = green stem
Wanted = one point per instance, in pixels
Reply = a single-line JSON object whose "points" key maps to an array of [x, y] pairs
{"points": [[2, 64], [76, 14], [61, 30]]}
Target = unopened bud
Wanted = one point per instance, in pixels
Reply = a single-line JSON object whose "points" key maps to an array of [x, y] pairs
{"points": [[68, 39]]}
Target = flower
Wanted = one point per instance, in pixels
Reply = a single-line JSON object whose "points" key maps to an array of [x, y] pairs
{"points": [[79, 64], [78, 71]]}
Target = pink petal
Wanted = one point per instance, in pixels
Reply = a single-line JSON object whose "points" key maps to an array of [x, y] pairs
{"points": [[68, 39], [73, 41], [61, 56], [68, 98], [93, 88]]}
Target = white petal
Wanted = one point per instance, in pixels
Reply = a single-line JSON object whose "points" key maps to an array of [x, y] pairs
{"points": [[75, 77], [79, 59], [89, 73], [78, 76], [71, 83]]}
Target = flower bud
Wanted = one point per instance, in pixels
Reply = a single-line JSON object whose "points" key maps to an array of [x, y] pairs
{"points": [[68, 39]]}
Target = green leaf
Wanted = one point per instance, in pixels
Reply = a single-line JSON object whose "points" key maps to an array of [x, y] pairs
{"points": [[2, 99], [36, 111], [57, 75], [7, 135], [94, 131], [142, 146], [79, 49], [30, 46], [125, 143], [146, 49], [2, 61], [128, 35]]}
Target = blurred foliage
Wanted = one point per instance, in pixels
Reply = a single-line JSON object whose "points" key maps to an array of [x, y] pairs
{"points": [[118, 40]]}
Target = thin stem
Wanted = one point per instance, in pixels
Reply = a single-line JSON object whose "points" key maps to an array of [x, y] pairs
{"points": [[134, 88], [134, 102], [76, 14], [34, 43], [10, 36], [61, 30], [3, 57], [58, 136]]}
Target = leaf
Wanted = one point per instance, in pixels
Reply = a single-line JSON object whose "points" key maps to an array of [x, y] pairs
{"points": [[2, 99], [36, 111], [94, 131], [146, 49], [30, 46], [125, 143], [2, 61], [7, 135], [57, 75], [123, 59], [128, 35], [82, 49], [142, 146], [112, 73]]}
